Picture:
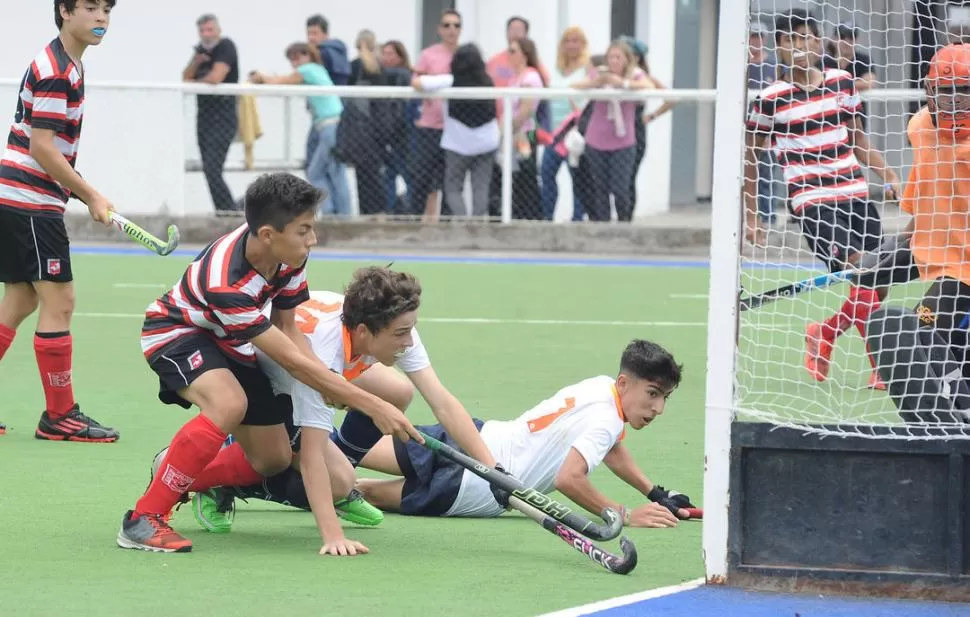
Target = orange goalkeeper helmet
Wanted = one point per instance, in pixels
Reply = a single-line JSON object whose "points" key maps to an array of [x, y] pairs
{"points": [[948, 89]]}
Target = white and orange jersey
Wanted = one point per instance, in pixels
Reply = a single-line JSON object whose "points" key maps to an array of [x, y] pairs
{"points": [[586, 416], [320, 319]]}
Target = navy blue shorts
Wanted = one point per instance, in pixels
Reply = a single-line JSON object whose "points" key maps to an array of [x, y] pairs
{"points": [[431, 483]]}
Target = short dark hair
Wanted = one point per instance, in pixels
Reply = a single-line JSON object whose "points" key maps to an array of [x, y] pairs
{"points": [[319, 21], [648, 360], [277, 199], [516, 18], [377, 296], [206, 18], [69, 6], [791, 21]]}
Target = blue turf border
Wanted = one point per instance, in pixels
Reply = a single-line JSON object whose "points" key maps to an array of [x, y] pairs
{"points": [[451, 259]]}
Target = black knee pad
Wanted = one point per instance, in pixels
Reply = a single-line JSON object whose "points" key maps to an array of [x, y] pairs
{"points": [[922, 376]]}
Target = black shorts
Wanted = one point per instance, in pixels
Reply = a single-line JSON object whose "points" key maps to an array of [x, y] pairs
{"points": [[431, 483], [945, 307], [837, 231], [185, 360], [33, 248]]}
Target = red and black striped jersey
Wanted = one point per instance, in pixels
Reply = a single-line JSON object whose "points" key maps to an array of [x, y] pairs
{"points": [[221, 295], [51, 97], [809, 130]]}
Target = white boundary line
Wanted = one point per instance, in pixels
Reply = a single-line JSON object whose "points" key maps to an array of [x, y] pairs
{"points": [[484, 320], [632, 598], [140, 285], [689, 296]]}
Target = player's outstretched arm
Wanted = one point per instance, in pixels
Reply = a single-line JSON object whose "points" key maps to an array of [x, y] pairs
{"points": [[573, 482], [620, 461], [389, 419], [316, 480], [451, 414]]}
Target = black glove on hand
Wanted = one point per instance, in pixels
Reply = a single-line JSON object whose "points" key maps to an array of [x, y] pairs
{"points": [[672, 500], [501, 496]]}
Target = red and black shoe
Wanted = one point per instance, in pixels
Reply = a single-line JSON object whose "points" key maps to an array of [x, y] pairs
{"points": [[3, 428], [75, 426]]}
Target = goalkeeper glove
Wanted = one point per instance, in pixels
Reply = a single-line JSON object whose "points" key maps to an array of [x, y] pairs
{"points": [[672, 500], [500, 495]]}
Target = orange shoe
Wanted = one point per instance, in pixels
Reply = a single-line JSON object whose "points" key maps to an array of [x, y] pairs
{"points": [[151, 532], [876, 382], [818, 352]]}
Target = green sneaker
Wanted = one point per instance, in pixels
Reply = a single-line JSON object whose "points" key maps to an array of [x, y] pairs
{"points": [[354, 508], [214, 509]]}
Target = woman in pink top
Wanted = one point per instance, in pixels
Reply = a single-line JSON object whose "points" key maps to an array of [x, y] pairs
{"points": [[610, 138], [524, 60]]}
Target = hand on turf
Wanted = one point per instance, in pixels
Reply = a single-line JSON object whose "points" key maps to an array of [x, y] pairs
{"points": [[344, 548], [99, 209], [653, 515], [676, 503], [501, 496]]}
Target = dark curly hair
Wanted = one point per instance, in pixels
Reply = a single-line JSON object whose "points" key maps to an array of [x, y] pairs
{"points": [[377, 296], [648, 360], [277, 199]]}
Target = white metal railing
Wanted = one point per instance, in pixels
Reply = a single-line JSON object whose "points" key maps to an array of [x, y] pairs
{"points": [[186, 89]]}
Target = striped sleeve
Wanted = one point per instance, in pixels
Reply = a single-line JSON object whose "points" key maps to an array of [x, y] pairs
{"points": [[237, 312], [295, 292], [758, 119], [49, 110]]}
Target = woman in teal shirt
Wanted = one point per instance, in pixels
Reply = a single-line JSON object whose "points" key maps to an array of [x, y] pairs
{"points": [[322, 169]]}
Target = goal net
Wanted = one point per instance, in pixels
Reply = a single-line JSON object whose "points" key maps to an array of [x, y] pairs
{"points": [[816, 188]]}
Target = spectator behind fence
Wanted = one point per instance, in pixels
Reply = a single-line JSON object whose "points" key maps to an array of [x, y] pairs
{"points": [[427, 158], [640, 118], [214, 61], [370, 127], [524, 60], [397, 64], [501, 70], [323, 169], [471, 135], [843, 53], [610, 136], [571, 64], [333, 52], [762, 72]]}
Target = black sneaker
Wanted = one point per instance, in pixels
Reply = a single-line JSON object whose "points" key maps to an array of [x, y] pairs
{"points": [[75, 426]]}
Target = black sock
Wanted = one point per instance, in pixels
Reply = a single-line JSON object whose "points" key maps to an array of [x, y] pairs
{"points": [[356, 436], [284, 488]]}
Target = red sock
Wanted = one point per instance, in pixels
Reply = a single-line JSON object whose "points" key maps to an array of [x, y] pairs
{"points": [[839, 322], [53, 351], [192, 448], [228, 468], [6, 339]]}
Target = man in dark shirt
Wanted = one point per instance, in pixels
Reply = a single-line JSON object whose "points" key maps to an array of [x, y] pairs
{"points": [[214, 62], [844, 54]]}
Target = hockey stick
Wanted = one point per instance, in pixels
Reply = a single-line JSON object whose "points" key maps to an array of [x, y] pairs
{"points": [[793, 289], [558, 511], [144, 238], [617, 564]]}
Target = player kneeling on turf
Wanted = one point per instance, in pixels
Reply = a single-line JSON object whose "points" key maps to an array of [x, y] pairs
{"points": [[922, 354], [556, 444], [359, 335]]}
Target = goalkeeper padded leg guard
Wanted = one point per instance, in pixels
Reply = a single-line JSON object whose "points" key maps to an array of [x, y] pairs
{"points": [[924, 379]]}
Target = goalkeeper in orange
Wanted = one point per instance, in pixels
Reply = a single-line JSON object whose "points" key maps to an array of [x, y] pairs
{"points": [[922, 354]]}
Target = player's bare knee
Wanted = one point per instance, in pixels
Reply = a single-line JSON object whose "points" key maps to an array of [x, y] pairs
{"points": [[56, 306], [401, 394], [271, 461], [19, 302]]}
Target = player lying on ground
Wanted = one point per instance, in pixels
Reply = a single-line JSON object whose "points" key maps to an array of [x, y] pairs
{"points": [[359, 335], [811, 116], [556, 444], [923, 353], [200, 339], [37, 178]]}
